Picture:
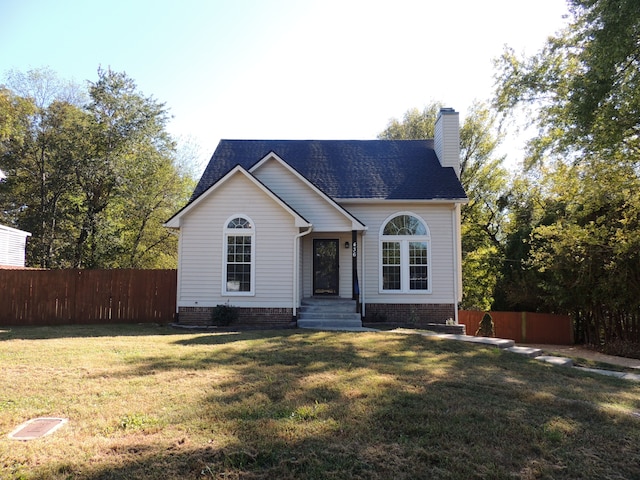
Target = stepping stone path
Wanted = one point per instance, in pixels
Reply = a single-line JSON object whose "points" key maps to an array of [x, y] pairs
{"points": [[509, 345]]}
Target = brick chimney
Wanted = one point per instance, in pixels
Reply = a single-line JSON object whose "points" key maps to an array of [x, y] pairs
{"points": [[447, 139]]}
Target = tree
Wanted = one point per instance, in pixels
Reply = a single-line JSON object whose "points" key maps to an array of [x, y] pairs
{"points": [[517, 287], [35, 160], [415, 125], [14, 110], [583, 93], [484, 180], [92, 182], [127, 131], [589, 251], [583, 87]]}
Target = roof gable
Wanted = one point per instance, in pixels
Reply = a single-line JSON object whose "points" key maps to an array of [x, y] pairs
{"points": [[347, 169], [174, 222]]}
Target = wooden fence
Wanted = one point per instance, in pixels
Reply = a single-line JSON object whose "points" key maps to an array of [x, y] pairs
{"points": [[61, 297], [523, 327]]}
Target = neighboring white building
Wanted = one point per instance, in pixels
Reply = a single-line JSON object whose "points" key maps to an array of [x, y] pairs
{"points": [[273, 223], [13, 243]]}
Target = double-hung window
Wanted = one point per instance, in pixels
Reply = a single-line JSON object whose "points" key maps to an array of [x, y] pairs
{"points": [[404, 253], [239, 261]]}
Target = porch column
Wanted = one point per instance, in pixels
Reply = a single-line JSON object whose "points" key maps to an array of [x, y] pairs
{"points": [[355, 286]]}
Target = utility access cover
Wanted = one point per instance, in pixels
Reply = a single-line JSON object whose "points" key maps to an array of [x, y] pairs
{"points": [[37, 427]]}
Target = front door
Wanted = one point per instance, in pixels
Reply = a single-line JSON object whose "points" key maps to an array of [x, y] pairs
{"points": [[325, 266]]}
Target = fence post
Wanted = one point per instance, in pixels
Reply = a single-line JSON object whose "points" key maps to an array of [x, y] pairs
{"points": [[524, 327]]}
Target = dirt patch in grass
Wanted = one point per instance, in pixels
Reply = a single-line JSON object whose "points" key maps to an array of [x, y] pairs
{"points": [[148, 402]]}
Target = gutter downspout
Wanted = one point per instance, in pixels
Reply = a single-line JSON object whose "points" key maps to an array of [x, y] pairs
{"points": [[296, 244], [457, 255]]}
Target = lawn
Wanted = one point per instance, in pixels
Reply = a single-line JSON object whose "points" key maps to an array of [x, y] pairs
{"points": [[148, 402]]}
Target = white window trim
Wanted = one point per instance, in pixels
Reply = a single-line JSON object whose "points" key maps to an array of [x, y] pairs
{"points": [[404, 241], [239, 232]]}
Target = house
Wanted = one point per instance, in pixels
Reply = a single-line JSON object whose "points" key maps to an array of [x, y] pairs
{"points": [[313, 231], [13, 243]]}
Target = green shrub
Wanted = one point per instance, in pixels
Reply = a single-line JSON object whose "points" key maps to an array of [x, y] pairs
{"points": [[486, 327], [224, 315]]}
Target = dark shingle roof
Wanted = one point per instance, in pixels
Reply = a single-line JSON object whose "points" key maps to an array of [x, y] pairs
{"points": [[379, 169]]}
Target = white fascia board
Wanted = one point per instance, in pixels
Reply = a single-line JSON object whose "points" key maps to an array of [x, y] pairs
{"points": [[15, 231], [355, 223], [433, 201], [174, 222]]}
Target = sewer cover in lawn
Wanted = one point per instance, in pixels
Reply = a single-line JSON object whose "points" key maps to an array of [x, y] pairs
{"points": [[36, 428]]}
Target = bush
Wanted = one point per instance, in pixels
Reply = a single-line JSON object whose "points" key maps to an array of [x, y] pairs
{"points": [[224, 315], [486, 327], [622, 348]]}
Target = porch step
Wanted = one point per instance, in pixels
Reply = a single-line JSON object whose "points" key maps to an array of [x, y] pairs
{"points": [[328, 312]]}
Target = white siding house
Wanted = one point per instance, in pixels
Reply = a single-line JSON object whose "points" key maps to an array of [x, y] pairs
{"points": [[274, 227], [13, 243]]}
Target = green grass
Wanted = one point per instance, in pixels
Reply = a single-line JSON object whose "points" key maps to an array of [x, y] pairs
{"points": [[149, 402]]}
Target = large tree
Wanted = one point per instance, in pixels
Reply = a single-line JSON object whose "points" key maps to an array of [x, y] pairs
{"points": [[582, 92], [35, 160], [484, 180], [574, 246], [92, 181]]}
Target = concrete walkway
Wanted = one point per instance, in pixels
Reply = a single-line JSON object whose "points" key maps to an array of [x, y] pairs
{"points": [[579, 351], [537, 352]]}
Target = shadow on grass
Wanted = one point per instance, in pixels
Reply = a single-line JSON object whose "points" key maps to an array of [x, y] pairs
{"points": [[303, 404], [86, 331], [300, 352], [319, 458], [100, 330]]}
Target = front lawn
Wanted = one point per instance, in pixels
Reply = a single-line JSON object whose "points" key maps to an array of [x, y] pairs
{"points": [[147, 402]]}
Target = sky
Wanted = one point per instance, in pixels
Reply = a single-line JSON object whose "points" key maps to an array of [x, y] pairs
{"points": [[281, 69]]}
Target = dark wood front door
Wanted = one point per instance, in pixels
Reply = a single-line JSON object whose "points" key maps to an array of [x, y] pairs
{"points": [[325, 266]]}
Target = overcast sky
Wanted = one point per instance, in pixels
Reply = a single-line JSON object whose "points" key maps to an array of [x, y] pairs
{"points": [[280, 69]]}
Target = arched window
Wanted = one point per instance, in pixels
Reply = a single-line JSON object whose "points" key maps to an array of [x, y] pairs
{"points": [[239, 262], [404, 255]]}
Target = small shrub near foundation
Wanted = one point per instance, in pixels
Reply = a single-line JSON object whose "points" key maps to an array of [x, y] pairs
{"points": [[224, 315]]}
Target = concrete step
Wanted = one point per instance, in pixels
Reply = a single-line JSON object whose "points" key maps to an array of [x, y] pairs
{"points": [[495, 342], [557, 361], [526, 351], [328, 324], [348, 309], [326, 315], [332, 303], [326, 299], [627, 376], [328, 312]]}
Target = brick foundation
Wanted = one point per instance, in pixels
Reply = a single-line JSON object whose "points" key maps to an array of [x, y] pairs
{"points": [[409, 314], [248, 317]]}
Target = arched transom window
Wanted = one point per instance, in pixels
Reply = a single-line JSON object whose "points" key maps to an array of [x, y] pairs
{"points": [[404, 255], [239, 262]]}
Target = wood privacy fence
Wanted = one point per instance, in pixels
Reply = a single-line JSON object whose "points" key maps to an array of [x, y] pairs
{"points": [[523, 327], [61, 297]]}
